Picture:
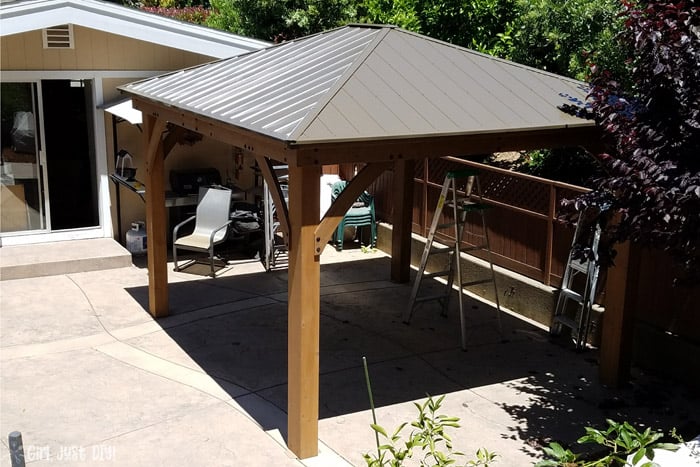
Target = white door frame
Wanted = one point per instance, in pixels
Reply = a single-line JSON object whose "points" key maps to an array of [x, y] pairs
{"points": [[104, 229]]}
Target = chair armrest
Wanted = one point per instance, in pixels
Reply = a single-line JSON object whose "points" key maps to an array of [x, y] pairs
{"points": [[177, 227], [213, 232]]}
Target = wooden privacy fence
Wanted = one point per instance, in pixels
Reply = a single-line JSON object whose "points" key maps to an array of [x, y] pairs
{"points": [[526, 237], [524, 233]]}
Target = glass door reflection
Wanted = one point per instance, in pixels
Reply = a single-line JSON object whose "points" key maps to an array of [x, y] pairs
{"points": [[21, 193]]}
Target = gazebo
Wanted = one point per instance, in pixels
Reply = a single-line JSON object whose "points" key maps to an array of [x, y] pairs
{"points": [[374, 95]]}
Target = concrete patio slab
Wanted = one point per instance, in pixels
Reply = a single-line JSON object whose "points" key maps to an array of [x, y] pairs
{"points": [[91, 369]]}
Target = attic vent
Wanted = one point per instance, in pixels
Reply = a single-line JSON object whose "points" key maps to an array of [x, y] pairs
{"points": [[59, 37]]}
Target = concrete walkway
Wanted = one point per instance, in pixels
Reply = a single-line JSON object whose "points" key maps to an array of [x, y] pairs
{"points": [[89, 378]]}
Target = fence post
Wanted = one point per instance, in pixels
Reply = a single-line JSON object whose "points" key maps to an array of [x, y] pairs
{"points": [[618, 320], [549, 249], [16, 449], [424, 215]]}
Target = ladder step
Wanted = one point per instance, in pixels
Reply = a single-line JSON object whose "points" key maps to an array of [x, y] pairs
{"points": [[460, 202], [444, 226], [579, 266], [477, 282], [440, 251], [570, 294], [466, 205], [566, 322], [472, 206], [436, 273], [429, 298]]}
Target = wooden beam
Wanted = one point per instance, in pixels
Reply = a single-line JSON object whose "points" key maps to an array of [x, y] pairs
{"points": [[299, 154], [618, 318], [402, 219], [171, 139], [441, 145], [340, 206], [304, 295], [268, 173], [227, 133], [156, 216]]}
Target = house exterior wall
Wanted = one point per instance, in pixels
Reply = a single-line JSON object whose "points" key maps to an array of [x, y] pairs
{"points": [[109, 60], [94, 50]]}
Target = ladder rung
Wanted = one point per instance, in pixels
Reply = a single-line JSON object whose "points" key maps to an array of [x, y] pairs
{"points": [[570, 294], [429, 298], [460, 202], [480, 281], [436, 273], [439, 251], [566, 322], [577, 265], [466, 205], [472, 206], [444, 226]]}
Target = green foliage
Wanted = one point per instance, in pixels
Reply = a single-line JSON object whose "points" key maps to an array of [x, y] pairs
{"points": [[277, 20], [428, 437], [478, 24], [568, 165], [196, 15], [564, 36], [652, 164], [401, 13], [483, 25], [620, 440]]}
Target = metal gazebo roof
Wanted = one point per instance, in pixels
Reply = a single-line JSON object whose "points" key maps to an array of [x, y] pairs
{"points": [[367, 82]]}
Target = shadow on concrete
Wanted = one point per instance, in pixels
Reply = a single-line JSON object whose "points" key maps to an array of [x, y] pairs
{"points": [[234, 328]]}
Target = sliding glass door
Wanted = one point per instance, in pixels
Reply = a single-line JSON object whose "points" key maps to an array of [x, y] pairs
{"points": [[48, 167], [22, 206]]}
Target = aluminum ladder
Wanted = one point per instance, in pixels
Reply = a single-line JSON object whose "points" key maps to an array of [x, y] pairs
{"points": [[460, 206], [579, 284]]}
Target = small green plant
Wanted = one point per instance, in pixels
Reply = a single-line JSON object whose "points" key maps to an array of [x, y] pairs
{"points": [[620, 441], [428, 437]]}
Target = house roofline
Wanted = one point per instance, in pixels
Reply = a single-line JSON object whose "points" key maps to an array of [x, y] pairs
{"points": [[28, 15]]}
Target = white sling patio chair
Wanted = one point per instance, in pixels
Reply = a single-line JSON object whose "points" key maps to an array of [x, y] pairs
{"points": [[211, 224]]}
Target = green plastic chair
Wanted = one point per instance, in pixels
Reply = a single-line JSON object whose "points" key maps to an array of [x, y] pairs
{"points": [[360, 214]]}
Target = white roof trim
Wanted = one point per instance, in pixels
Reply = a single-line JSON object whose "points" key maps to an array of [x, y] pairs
{"points": [[22, 16]]}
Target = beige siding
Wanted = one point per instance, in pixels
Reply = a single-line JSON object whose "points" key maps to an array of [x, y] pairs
{"points": [[94, 50]]}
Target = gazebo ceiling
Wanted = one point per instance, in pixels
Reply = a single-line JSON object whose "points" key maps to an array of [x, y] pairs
{"points": [[362, 83]]}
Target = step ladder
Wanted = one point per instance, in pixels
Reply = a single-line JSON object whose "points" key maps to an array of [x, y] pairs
{"points": [[460, 206], [579, 284]]}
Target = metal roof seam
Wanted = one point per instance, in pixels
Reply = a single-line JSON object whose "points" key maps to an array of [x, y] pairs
{"points": [[490, 57], [376, 40]]}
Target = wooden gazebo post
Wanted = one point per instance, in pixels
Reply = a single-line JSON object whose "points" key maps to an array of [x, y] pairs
{"points": [[304, 292], [402, 219], [156, 216]]}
